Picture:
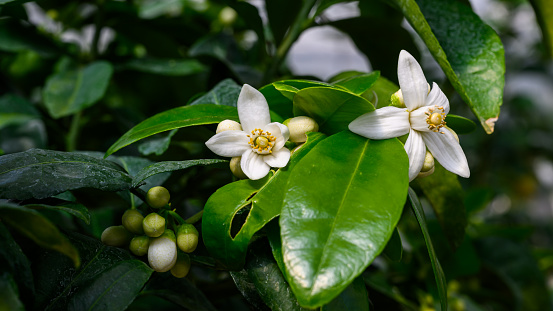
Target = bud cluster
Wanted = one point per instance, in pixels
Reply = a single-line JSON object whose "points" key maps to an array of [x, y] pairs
{"points": [[154, 235]]}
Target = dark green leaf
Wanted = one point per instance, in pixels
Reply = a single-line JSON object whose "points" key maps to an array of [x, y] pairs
{"points": [[544, 15], [445, 194], [75, 209], [224, 93], [358, 84], [169, 166], [469, 52], [14, 37], [73, 89], [157, 145], [38, 173], [343, 201], [379, 282], [39, 229], [173, 119], [113, 289], [167, 67], [394, 248], [16, 110], [332, 108], [354, 297], [439, 275], [14, 261], [9, 297], [459, 124]]}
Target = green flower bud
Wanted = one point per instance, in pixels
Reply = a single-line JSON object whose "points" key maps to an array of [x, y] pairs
{"points": [[153, 225], [162, 253], [227, 16], [397, 99], [132, 221], [158, 197], [182, 266], [298, 126], [139, 245], [228, 125], [428, 165], [236, 169], [187, 238], [116, 236]]}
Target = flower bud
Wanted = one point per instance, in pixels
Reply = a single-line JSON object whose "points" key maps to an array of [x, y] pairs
{"points": [[187, 238], [132, 221], [298, 126], [181, 267], [139, 245], [228, 125], [116, 236], [162, 253], [153, 225], [428, 165], [397, 99], [236, 169], [158, 197], [227, 16]]}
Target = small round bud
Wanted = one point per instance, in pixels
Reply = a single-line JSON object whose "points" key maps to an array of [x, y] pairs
{"points": [[158, 197], [116, 236], [228, 125], [162, 253], [132, 221], [236, 169], [181, 267], [428, 165], [227, 16], [139, 245], [298, 126], [153, 225], [397, 99], [187, 238]]}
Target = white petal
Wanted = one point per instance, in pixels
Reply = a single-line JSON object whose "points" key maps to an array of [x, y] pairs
{"points": [[383, 123], [437, 98], [278, 159], [229, 143], [411, 81], [417, 118], [253, 109], [446, 149], [280, 131], [416, 151], [253, 166]]}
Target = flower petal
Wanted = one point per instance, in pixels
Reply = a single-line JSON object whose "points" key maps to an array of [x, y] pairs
{"points": [[278, 159], [253, 109], [253, 166], [383, 123], [411, 81], [416, 151], [437, 98], [229, 143], [280, 131], [417, 118], [447, 150]]}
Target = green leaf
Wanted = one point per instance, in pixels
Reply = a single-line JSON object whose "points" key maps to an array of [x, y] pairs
{"points": [[166, 67], [75, 209], [394, 248], [469, 52], [9, 298], [224, 93], [157, 145], [354, 297], [113, 289], [446, 196], [544, 15], [39, 229], [379, 282], [439, 275], [343, 202], [16, 110], [15, 37], [173, 119], [359, 84], [333, 109], [459, 124], [169, 166], [38, 173], [258, 202], [15, 262], [73, 89]]}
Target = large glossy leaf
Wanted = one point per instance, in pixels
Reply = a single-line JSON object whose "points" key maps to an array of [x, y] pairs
{"points": [[173, 119], [16, 110], [258, 202], [445, 194], [38, 173], [332, 108], [113, 289], [167, 67], [39, 229], [73, 89], [460, 124], [469, 52], [75, 209], [224, 93], [358, 84], [439, 275], [343, 202], [14, 261], [544, 15], [156, 145], [169, 166]]}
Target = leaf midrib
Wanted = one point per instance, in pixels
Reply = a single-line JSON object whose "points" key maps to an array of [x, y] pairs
{"points": [[60, 162]]}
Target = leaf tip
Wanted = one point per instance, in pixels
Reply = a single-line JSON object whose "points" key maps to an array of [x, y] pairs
{"points": [[489, 124]]}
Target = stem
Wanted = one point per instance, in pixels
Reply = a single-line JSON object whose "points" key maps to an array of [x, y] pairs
{"points": [[301, 23], [177, 217], [73, 135], [195, 218]]}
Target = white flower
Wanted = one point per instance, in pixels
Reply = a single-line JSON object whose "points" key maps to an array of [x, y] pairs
{"points": [[423, 118], [260, 143]]}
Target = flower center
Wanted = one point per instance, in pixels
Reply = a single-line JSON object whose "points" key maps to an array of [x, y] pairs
{"points": [[261, 142], [435, 118]]}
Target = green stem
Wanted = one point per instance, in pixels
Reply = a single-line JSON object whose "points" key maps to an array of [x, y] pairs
{"points": [[302, 22], [177, 217], [195, 218], [73, 135]]}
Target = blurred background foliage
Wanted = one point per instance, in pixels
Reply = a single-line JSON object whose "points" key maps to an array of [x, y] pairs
{"points": [[138, 58]]}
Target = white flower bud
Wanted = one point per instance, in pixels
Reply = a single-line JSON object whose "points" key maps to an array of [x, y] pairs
{"points": [[227, 16], [162, 253], [298, 126], [236, 169], [228, 125]]}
